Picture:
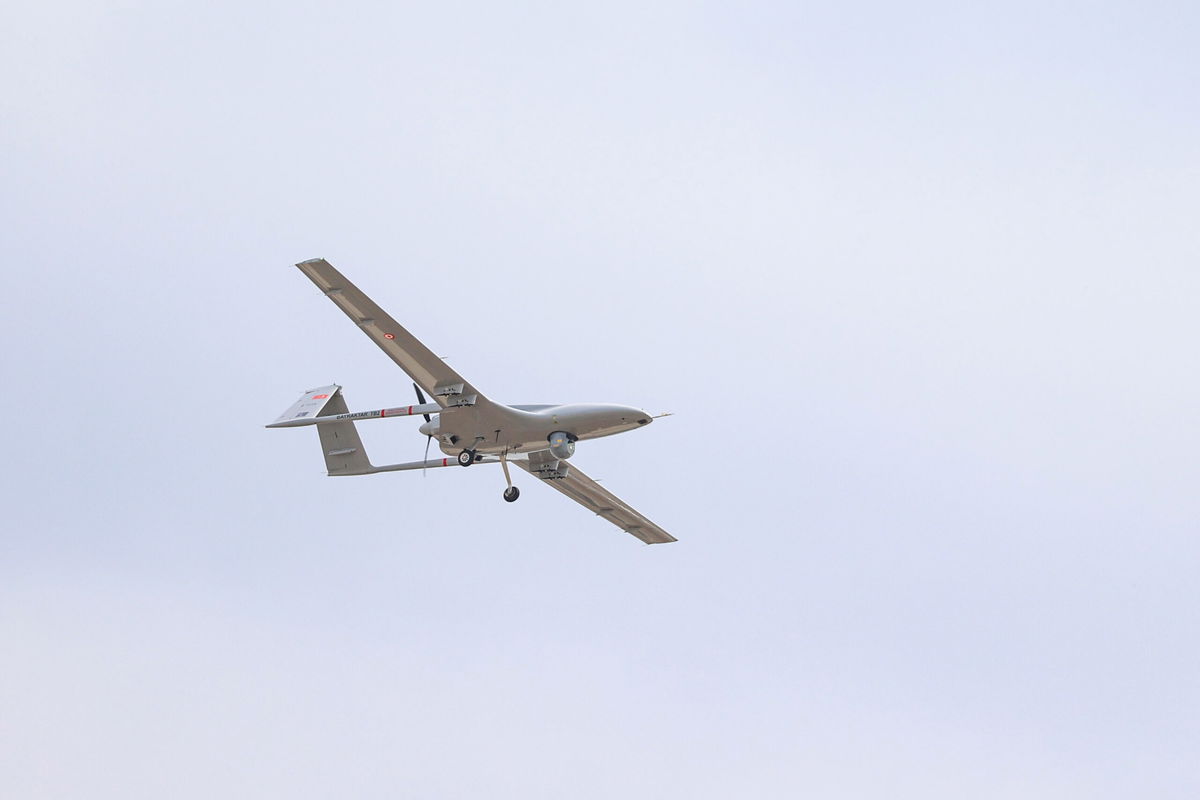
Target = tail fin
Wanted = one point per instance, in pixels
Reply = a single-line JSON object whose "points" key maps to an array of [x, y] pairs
{"points": [[310, 404], [340, 443]]}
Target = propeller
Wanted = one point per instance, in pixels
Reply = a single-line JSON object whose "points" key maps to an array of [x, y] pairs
{"points": [[421, 397], [429, 438]]}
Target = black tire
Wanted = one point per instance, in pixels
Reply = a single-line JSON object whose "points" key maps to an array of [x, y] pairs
{"points": [[466, 458], [511, 494]]}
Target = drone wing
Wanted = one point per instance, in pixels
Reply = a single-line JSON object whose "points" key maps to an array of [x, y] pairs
{"points": [[428, 371], [571, 481]]}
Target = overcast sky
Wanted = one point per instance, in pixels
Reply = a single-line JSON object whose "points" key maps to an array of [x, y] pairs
{"points": [[919, 282]]}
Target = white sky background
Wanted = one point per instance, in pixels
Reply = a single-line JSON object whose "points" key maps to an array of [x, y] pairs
{"points": [[920, 283]]}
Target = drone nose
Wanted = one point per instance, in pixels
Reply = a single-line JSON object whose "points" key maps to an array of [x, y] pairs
{"points": [[639, 416]]}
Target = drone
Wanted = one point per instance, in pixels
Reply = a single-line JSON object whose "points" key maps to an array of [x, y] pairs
{"points": [[469, 427]]}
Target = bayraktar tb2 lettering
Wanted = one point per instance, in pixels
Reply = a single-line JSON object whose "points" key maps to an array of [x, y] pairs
{"points": [[469, 428]]}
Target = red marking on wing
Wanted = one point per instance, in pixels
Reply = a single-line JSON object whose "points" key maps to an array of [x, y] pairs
{"points": [[389, 336], [319, 396]]}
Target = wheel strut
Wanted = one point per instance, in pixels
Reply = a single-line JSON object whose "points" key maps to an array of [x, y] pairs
{"points": [[511, 493]]}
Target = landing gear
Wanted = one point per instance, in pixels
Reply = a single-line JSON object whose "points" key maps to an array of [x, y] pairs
{"points": [[466, 458], [511, 493]]}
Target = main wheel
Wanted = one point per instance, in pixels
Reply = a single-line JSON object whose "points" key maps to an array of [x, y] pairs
{"points": [[466, 458], [511, 494]]}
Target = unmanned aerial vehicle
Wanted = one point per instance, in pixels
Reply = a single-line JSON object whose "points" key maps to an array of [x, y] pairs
{"points": [[469, 427]]}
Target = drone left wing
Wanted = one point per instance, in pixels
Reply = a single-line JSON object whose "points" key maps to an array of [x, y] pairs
{"points": [[435, 376], [571, 481]]}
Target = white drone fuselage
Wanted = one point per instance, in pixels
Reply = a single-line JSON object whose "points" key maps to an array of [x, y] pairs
{"points": [[494, 428]]}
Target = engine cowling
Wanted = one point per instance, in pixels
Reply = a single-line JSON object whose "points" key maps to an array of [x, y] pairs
{"points": [[562, 444]]}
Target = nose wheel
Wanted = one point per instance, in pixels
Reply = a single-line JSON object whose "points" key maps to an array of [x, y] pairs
{"points": [[466, 458]]}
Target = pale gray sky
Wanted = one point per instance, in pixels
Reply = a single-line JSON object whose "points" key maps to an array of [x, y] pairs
{"points": [[919, 281]]}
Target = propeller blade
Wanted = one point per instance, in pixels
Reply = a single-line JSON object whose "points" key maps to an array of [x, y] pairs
{"points": [[421, 397], [428, 439]]}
